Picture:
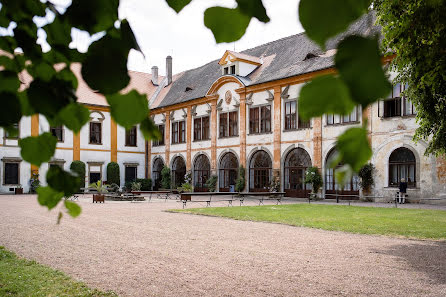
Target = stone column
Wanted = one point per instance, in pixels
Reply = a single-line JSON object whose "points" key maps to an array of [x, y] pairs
{"points": [[167, 139]]}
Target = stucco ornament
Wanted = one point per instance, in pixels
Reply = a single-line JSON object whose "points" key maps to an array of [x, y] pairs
{"points": [[228, 97]]}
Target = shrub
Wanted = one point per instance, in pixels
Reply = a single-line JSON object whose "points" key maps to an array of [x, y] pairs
{"points": [[146, 183], [275, 184], [240, 182], [211, 183], [136, 186], [186, 187], [366, 174], [188, 177], [78, 167], [313, 177], [113, 176], [113, 188], [127, 186], [99, 186], [165, 177]]}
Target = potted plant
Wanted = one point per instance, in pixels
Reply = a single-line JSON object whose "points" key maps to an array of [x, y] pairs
{"points": [[101, 189], [186, 188], [18, 190], [367, 181], [136, 186], [313, 177]]}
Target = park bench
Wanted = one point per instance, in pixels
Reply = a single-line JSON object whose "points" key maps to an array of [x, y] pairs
{"points": [[187, 197], [159, 194], [263, 196]]}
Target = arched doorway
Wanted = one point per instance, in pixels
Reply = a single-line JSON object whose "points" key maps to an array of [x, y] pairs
{"points": [[260, 169], [402, 164], [178, 172], [227, 172], [350, 190], [202, 169], [296, 163], [158, 165]]}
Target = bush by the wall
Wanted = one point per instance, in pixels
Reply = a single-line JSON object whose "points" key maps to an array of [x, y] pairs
{"points": [[241, 181], [211, 183], [313, 177], [366, 173], [78, 167], [165, 177], [113, 176], [146, 183]]}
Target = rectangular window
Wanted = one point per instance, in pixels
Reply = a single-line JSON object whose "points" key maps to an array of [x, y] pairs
{"points": [[16, 127], [392, 106], [290, 115], [175, 138], [95, 133], [179, 132], [197, 129], [233, 69], [11, 176], [201, 128], [223, 132], [161, 140], [254, 120], [233, 123], [265, 119], [408, 108], [182, 132], [226, 70], [130, 173], [57, 132], [130, 137], [353, 117]]}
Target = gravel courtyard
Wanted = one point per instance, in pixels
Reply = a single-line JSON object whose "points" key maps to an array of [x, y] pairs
{"points": [[137, 249]]}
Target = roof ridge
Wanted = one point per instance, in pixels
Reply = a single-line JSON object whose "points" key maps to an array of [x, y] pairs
{"points": [[273, 41]]}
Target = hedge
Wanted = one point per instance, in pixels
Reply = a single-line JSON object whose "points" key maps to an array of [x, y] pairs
{"points": [[113, 176], [79, 168]]}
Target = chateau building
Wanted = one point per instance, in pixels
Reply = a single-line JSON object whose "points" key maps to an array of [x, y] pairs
{"points": [[241, 110]]}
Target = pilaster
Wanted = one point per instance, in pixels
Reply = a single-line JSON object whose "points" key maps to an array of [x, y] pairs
{"points": [[113, 141], [34, 133], [189, 138], [167, 139], [214, 129], [317, 142], [277, 129]]}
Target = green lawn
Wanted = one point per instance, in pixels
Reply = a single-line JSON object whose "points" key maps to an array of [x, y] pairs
{"points": [[20, 277], [411, 223]]}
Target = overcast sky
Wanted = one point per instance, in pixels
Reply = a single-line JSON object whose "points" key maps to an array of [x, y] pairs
{"points": [[160, 32]]}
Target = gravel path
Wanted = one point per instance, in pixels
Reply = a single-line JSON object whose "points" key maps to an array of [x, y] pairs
{"points": [[136, 249]]}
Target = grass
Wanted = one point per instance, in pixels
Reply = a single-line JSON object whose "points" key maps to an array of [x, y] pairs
{"points": [[20, 277], [410, 223]]}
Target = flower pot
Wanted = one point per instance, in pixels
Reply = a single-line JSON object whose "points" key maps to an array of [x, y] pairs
{"points": [[98, 198], [18, 191]]}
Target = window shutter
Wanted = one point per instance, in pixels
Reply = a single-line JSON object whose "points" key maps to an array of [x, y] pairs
{"points": [[381, 108]]}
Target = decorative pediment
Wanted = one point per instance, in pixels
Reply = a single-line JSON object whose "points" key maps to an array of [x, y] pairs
{"points": [[194, 110], [220, 104], [284, 94], [164, 118], [209, 108], [172, 115], [184, 113], [234, 56]]}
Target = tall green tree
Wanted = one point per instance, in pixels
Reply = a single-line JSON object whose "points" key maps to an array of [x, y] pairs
{"points": [[416, 32]]}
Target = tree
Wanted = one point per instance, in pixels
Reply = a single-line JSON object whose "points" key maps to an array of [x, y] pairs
{"points": [[416, 32], [165, 177], [113, 176]]}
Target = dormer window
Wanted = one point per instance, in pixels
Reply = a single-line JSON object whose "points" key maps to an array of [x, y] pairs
{"points": [[238, 63]]}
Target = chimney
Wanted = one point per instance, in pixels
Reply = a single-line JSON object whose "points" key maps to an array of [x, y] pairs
{"points": [[155, 75], [169, 69]]}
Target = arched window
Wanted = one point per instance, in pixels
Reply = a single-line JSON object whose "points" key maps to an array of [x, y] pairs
{"points": [[402, 164], [296, 163], [332, 188], [260, 169], [228, 171], [178, 172], [202, 169], [158, 165]]}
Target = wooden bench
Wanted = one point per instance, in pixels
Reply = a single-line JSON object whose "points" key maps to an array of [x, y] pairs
{"points": [[187, 197], [149, 194], [277, 196]]}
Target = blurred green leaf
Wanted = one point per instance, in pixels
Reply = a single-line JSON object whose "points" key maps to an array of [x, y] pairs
{"points": [[10, 111], [41, 70], [253, 8], [58, 32], [178, 5], [149, 129], [324, 95], [92, 16], [73, 116], [59, 217], [9, 81], [128, 109], [27, 110], [353, 146], [358, 61], [48, 197], [343, 175], [73, 208], [105, 67], [226, 24], [38, 149], [48, 98], [67, 75], [323, 19], [62, 181]]}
